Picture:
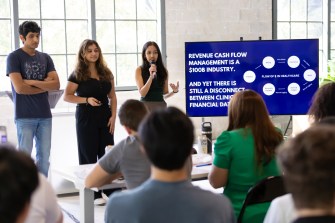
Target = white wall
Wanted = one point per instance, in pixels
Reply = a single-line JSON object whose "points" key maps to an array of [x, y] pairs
{"points": [[211, 20]]}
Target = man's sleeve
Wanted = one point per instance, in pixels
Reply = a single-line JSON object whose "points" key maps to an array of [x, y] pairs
{"points": [[13, 64], [110, 162]]}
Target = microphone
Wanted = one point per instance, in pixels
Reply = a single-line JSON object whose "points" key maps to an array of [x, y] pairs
{"points": [[153, 63]]}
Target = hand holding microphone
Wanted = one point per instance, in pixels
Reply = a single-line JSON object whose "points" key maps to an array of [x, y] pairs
{"points": [[153, 69]]}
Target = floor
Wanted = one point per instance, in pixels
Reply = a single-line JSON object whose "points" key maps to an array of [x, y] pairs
{"points": [[70, 207], [70, 204]]}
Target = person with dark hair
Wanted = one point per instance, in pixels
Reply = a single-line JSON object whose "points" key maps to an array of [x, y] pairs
{"points": [[43, 203], [32, 74], [245, 152], [152, 78], [125, 158], [19, 179], [323, 102], [282, 208], [168, 196], [329, 120], [307, 161], [91, 86]]}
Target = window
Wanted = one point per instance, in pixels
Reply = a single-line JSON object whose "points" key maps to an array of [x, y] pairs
{"points": [[307, 19], [332, 30], [121, 27], [6, 41]]}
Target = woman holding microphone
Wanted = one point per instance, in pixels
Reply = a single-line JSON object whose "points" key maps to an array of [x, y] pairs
{"points": [[152, 78]]}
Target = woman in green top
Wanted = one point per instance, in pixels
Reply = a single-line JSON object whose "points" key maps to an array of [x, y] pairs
{"points": [[152, 78], [245, 153]]}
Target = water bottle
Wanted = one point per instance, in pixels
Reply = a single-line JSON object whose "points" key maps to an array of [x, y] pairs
{"points": [[3, 134], [206, 132], [204, 148]]}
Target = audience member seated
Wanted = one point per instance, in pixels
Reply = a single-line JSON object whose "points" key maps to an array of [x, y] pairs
{"points": [[44, 205], [281, 210], [323, 103], [167, 136], [245, 153], [19, 179], [322, 111], [307, 161], [125, 158]]}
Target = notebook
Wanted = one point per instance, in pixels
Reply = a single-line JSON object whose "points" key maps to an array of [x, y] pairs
{"points": [[201, 159]]}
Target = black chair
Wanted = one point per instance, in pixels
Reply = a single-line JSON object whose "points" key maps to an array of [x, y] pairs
{"points": [[264, 191]]}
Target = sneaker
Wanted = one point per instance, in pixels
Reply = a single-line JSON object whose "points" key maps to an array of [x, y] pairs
{"points": [[99, 202]]}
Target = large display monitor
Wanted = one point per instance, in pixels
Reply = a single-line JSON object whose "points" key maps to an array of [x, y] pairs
{"points": [[284, 72]]}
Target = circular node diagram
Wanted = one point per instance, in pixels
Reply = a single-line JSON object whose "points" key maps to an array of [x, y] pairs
{"points": [[268, 62], [309, 75], [249, 76], [293, 61], [293, 88], [269, 89]]}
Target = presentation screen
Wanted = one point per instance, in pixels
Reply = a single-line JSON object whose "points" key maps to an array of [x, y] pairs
{"points": [[284, 72]]}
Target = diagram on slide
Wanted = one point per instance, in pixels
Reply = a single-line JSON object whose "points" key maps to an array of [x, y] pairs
{"points": [[284, 72], [292, 88]]}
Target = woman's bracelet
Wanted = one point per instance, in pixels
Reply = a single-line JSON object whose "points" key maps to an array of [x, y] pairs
{"points": [[175, 91], [86, 101]]}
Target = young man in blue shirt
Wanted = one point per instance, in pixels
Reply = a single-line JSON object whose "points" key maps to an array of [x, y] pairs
{"points": [[32, 74], [168, 196]]}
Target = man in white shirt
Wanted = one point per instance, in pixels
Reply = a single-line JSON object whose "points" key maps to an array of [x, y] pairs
{"points": [[44, 206], [307, 161]]}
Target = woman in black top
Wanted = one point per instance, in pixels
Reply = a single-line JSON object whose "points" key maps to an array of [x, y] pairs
{"points": [[152, 78], [91, 87]]}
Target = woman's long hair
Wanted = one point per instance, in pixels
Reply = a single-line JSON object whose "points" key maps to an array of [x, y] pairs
{"points": [[81, 70], [248, 110], [161, 70], [323, 104]]}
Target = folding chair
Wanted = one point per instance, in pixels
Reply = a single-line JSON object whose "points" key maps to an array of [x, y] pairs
{"points": [[264, 191]]}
